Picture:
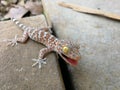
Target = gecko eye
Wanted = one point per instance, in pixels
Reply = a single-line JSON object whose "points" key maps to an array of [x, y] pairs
{"points": [[65, 49]]}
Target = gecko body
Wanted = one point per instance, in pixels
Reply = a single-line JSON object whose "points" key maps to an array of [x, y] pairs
{"points": [[65, 48]]}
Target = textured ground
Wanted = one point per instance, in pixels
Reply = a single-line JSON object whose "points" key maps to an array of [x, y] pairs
{"points": [[16, 71], [99, 37]]}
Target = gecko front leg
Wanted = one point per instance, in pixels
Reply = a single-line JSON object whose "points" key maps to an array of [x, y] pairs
{"points": [[22, 39], [41, 60]]}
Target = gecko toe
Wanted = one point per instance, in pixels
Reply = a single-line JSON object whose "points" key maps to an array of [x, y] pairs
{"points": [[11, 42], [39, 62]]}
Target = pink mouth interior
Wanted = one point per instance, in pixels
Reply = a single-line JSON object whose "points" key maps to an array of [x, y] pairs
{"points": [[71, 61]]}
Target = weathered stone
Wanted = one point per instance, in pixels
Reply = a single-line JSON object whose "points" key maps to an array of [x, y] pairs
{"points": [[99, 37], [16, 71]]}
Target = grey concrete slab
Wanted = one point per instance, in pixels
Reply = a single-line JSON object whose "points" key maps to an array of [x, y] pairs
{"points": [[16, 71], [99, 37]]}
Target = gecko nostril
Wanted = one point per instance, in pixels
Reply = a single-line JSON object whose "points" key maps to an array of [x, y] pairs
{"points": [[73, 55]]}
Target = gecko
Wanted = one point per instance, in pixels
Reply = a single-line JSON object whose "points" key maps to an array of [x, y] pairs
{"points": [[68, 50]]}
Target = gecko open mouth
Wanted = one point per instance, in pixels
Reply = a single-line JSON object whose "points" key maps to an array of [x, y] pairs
{"points": [[70, 60]]}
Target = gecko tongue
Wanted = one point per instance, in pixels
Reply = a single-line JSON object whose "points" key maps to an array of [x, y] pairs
{"points": [[73, 62], [70, 61]]}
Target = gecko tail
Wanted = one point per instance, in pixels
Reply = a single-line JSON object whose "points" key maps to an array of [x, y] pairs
{"points": [[20, 25]]}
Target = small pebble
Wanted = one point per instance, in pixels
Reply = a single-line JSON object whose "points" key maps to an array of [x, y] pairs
{"points": [[4, 3]]}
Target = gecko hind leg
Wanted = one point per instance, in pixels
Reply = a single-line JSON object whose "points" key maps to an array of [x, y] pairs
{"points": [[11, 42], [15, 40]]}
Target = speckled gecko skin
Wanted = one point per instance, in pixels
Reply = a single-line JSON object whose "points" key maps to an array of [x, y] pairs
{"points": [[65, 48]]}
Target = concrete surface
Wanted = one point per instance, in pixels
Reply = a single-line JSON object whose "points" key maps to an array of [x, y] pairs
{"points": [[16, 71], [99, 37]]}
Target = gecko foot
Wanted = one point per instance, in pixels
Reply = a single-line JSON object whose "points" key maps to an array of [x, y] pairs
{"points": [[11, 42], [39, 62]]}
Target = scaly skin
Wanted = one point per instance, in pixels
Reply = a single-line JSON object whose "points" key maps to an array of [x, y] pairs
{"points": [[65, 48]]}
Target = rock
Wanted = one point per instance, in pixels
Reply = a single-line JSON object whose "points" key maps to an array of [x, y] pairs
{"points": [[16, 71], [99, 37], [4, 3]]}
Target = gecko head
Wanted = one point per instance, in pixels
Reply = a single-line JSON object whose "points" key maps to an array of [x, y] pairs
{"points": [[70, 52]]}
